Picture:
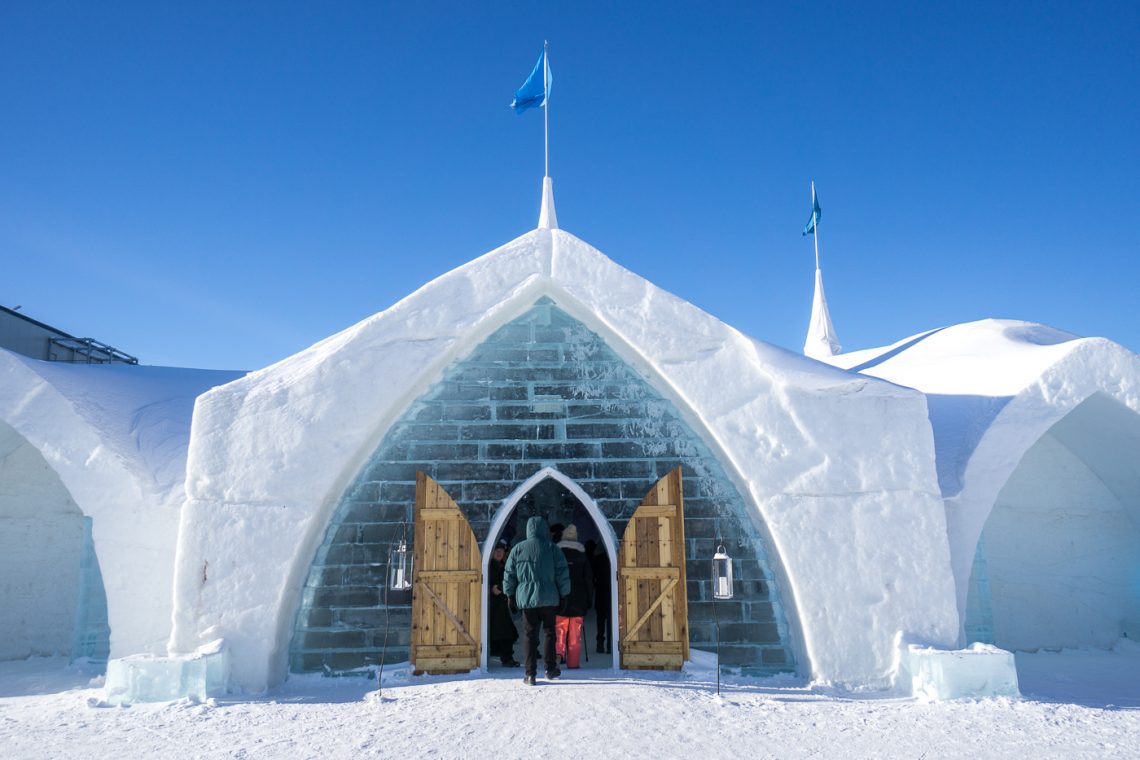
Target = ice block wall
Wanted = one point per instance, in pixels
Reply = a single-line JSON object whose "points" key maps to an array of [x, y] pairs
{"points": [[543, 390]]}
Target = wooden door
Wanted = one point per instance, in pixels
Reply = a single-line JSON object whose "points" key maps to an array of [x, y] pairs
{"points": [[653, 606], [446, 584]]}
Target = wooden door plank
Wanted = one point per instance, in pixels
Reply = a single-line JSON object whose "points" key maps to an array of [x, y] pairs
{"points": [[657, 510], [650, 572], [656, 647], [653, 662], [459, 548], [437, 622], [439, 549], [665, 541], [441, 511], [450, 575], [446, 665], [446, 650], [630, 616]]}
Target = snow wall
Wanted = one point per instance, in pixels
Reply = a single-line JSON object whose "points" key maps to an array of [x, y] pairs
{"points": [[837, 469], [100, 464]]}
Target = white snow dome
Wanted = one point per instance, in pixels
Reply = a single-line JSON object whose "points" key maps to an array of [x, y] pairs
{"points": [[546, 359], [1036, 432]]}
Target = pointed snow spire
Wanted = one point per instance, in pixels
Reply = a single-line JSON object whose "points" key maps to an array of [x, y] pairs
{"points": [[822, 341], [547, 219]]}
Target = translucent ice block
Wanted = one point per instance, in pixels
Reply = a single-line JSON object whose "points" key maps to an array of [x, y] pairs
{"points": [[981, 671], [149, 678]]}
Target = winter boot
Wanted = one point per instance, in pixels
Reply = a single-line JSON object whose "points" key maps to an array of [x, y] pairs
{"points": [[529, 680], [552, 674]]}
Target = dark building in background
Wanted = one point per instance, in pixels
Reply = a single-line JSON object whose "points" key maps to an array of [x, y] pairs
{"points": [[30, 337]]}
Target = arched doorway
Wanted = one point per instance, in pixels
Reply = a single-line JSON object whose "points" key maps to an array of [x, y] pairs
{"points": [[1057, 562], [508, 521], [52, 592]]}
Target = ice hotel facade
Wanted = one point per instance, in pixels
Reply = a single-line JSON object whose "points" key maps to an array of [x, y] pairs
{"points": [[974, 483]]}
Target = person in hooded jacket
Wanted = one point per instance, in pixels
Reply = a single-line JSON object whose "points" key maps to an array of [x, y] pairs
{"points": [[568, 624], [535, 580]]}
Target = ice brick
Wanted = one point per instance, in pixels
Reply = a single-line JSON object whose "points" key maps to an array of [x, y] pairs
{"points": [[980, 671], [150, 678]]}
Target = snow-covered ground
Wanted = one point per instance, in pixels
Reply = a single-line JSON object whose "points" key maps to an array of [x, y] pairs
{"points": [[1077, 704]]}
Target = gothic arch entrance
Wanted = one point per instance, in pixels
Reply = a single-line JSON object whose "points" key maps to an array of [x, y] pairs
{"points": [[607, 540]]}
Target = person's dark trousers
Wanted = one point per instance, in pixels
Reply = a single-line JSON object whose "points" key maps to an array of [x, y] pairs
{"points": [[604, 631], [533, 619]]}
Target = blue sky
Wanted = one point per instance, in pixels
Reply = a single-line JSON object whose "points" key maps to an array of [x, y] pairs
{"points": [[223, 184]]}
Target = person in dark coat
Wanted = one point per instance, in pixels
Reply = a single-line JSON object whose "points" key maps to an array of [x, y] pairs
{"points": [[501, 629], [568, 624], [535, 580], [603, 598]]}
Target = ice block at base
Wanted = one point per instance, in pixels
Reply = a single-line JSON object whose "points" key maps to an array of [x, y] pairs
{"points": [[980, 671], [150, 678]]}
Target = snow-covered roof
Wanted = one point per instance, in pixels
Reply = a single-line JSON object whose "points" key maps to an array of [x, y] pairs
{"points": [[836, 464], [991, 357], [142, 413]]}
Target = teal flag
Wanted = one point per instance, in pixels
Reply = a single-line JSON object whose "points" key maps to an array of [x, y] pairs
{"points": [[536, 88], [815, 213]]}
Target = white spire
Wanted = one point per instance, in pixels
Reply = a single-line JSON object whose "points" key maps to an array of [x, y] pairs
{"points": [[821, 338], [547, 219]]}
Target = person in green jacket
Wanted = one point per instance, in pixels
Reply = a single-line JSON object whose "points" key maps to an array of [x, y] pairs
{"points": [[536, 580]]}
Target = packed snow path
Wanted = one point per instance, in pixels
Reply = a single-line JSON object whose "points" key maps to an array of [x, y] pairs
{"points": [[1082, 705]]}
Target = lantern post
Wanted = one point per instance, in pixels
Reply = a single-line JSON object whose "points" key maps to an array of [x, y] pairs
{"points": [[722, 589], [399, 579]]}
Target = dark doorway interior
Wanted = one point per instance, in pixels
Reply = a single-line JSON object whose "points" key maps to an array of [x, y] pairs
{"points": [[553, 501]]}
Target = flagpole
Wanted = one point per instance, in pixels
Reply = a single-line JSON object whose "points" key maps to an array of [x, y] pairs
{"points": [[815, 225], [546, 105]]}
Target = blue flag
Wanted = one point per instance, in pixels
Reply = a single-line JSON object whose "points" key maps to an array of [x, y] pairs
{"points": [[815, 213], [534, 91]]}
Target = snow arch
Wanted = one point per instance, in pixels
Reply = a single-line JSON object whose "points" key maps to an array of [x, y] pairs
{"points": [[52, 594], [131, 538], [1058, 561], [1100, 382]]}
